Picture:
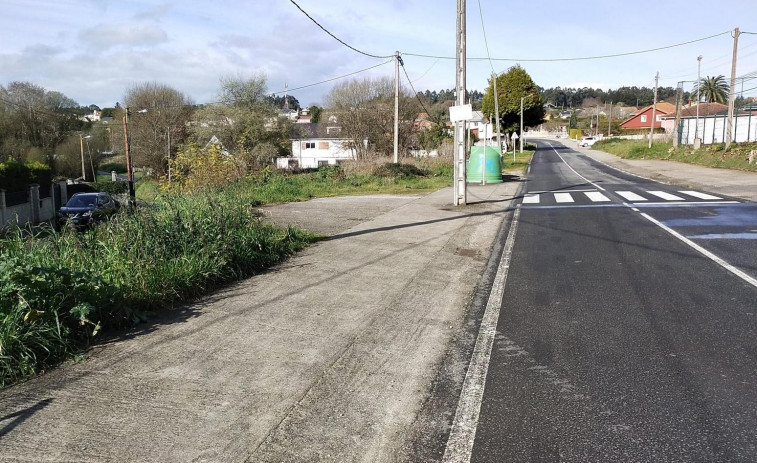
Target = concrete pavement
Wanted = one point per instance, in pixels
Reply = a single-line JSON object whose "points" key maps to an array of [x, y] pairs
{"points": [[331, 356]]}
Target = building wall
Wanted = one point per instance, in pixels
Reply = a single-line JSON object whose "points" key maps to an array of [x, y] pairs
{"points": [[636, 123], [309, 153], [711, 129]]}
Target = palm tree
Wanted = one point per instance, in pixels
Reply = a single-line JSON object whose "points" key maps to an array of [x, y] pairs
{"points": [[712, 89]]}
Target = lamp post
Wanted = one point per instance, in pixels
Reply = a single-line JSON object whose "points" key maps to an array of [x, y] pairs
{"points": [[81, 146], [699, 85]]}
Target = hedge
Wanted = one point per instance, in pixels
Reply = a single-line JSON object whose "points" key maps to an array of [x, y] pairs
{"points": [[17, 176]]}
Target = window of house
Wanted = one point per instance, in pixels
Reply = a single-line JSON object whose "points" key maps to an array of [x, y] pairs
{"points": [[644, 118], [323, 145], [308, 145], [658, 118], [323, 163]]}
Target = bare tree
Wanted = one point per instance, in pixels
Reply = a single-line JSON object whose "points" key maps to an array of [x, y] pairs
{"points": [[157, 112], [364, 109]]}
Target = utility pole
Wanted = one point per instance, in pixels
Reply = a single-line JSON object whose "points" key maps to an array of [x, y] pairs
{"points": [[699, 86], [677, 123], [81, 144], [396, 105], [521, 124], [654, 109], [169, 151], [597, 119], [460, 56], [496, 112], [609, 121], [732, 91], [129, 170]]}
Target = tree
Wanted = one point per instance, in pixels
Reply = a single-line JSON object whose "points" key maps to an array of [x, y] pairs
{"points": [[157, 112], [245, 121], [364, 110], [315, 113], [712, 89], [511, 87]]}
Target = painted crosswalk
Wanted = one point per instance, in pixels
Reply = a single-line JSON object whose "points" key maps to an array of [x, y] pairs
{"points": [[639, 197]]}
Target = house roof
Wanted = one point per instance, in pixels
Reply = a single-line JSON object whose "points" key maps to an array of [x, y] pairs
{"points": [[705, 109], [321, 131], [662, 106]]}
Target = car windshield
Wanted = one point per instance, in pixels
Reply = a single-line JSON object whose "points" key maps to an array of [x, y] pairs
{"points": [[82, 201]]}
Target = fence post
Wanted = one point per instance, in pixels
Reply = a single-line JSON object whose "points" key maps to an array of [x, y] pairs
{"points": [[34, 202], [63, 192], [2, 207]]}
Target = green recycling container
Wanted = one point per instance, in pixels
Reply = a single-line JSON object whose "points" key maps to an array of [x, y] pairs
{"points": [[490, 168]]}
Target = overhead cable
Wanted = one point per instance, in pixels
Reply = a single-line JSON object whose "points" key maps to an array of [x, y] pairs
{"points": [[582, 58], [413, 88], [337, 38], [334, 78], [486, 42]]}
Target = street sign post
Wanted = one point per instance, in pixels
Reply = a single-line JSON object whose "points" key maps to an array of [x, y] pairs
{"points": [[514, 137]]}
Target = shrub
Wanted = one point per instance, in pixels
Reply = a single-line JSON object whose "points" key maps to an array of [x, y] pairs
{"points": [[112, 188], [16, 176]]}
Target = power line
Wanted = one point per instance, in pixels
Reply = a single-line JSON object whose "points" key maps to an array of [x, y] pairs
{"points": [[427, 71], [333, 78], [413, 88], [337, 38], [486, 42], [582, 58]]}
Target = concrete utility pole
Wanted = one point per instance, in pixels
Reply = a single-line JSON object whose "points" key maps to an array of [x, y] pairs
{"points": [[496, 112], [699, 86], [609, 121], [677, 123], [731, 91], [654, 108], [460, 193], [521, 125], [396, 105], [81, 143]]}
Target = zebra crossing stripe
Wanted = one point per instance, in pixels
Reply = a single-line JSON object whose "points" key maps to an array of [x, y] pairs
{"points": [[563, 198], [631, 196], [596, 196], [699, 195], [666, 196], [531, 199]]}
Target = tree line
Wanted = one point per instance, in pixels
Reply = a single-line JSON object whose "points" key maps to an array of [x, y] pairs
{"points": [[587, 96]]}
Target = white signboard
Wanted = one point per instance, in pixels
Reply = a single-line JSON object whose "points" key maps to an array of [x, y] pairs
{"points": [[514, 136], [460, 113]]}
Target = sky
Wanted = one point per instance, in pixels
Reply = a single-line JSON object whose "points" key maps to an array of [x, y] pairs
{"points": [[94, 50]]}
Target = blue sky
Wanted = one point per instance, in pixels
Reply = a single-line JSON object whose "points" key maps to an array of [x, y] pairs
{"points": [[92, 51]]}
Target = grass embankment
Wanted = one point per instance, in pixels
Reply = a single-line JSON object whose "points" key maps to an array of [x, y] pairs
{"points": [[518, 167], [58, 290], [708, 155]]}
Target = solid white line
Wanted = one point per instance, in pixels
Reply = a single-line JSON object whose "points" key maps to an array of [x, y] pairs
{"points": [[463, 433], [631, 196], [563, 198], [557, 191], [739, 273], [531, 199], [574, 170], [665, 195], [699, 195], [596, 196]]}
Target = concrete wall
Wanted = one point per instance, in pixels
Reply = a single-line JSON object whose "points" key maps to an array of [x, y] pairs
{"points": [[711, 129], [34, 210]]}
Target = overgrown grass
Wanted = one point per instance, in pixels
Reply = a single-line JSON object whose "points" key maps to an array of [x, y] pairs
{"points": [[519, 165], [707, 155], [58, 290]]}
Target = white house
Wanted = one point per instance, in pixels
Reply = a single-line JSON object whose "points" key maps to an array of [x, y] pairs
{"points": [[319, 145]]}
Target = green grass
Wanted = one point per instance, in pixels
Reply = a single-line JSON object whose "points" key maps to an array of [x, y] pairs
{"points": [[708, 155], [521, 161]]}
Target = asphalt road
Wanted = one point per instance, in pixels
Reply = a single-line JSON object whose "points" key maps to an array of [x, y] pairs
{"points": [[627, 330]]}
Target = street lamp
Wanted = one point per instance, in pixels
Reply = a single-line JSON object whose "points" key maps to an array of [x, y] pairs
{"points": [[81, 145], [699, 85]]}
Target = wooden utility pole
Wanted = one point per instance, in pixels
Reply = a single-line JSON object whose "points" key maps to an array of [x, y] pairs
{"points": [[396, 105], [731, 91], [129, 170], [460, 194], [654, 109]]}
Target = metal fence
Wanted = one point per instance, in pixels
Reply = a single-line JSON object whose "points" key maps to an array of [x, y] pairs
{"points": [[712, 129]]}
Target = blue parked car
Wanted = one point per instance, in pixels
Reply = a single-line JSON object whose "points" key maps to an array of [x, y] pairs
{"points": [[84, 209]]}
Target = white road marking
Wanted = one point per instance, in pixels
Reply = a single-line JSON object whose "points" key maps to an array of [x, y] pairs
{"points": [[563, 198], [463, 433], [631, 196], [699, 195], [531, 199], [596, 196], [686, 203], [665, 195], [574, 170], [749, 279]]}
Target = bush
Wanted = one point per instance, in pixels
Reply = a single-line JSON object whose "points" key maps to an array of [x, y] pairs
{"points": [[112, 188], [399, 171], [17, 176]]}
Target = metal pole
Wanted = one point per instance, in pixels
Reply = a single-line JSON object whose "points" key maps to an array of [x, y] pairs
{"points": [[521, 125], [129, 170], [699, 86], [486, 146], [678, 115], [169, 152], [654, 109], [732, 90], [396, 105], [460, 194]]}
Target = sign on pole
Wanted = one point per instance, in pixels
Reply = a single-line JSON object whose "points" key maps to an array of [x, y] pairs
{"points": [[514, 137], [460, 113]]}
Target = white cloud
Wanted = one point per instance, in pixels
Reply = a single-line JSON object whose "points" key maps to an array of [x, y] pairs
{"points": [[103, 36]]}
